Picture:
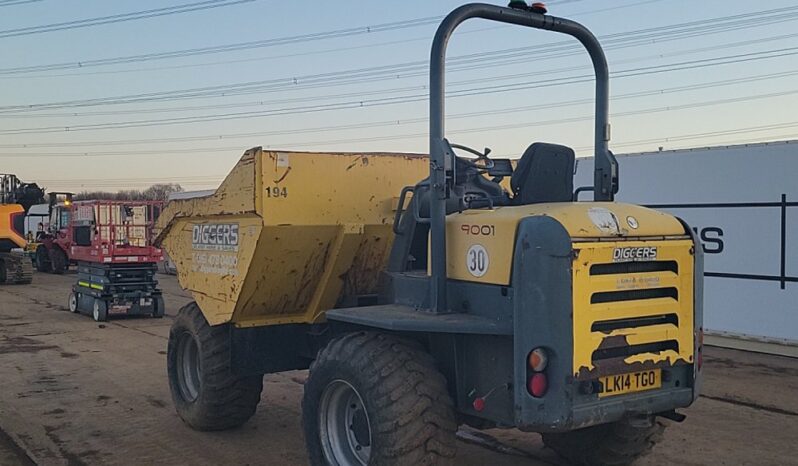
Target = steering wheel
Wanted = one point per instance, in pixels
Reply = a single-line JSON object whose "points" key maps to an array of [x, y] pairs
{"points": [[487, 163]]}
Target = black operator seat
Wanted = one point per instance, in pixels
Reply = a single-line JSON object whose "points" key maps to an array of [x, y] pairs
{"points": [[545, 173]]}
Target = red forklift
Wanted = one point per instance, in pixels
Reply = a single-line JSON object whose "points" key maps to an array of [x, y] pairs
{"points": [[111, 244], [52, 243]]}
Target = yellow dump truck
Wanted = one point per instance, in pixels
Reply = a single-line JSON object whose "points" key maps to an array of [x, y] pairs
{"points": [[423, 294]]}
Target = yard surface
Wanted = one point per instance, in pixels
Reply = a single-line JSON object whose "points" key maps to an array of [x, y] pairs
{"points": [[76, 392]]}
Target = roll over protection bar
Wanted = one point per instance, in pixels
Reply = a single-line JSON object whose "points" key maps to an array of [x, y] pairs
{"points": [[606, 167]]}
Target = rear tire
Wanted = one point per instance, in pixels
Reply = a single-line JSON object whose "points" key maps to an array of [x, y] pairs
{"points": [[159, 309], [58, 260], [99, 310], [619, 443], [206, 393], [372, 398]]}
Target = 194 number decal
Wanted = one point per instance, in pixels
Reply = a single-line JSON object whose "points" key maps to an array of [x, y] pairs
{"points": [[277, 191], [477, 260]]}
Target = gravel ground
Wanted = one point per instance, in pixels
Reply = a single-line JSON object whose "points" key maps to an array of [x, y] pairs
{"points": [[76, 392]]}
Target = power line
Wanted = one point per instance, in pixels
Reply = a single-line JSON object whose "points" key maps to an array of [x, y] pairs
{"points": [[24, 73], [372, 74], [338, 33], [360, 94], [393, 123], [17, 2], [405, 136], [177, 9], [705, 25], [215, 179], [708, 134], [739, 58]]}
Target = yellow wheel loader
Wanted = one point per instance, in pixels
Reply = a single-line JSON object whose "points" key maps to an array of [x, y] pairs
{"points": [[423, 295]]}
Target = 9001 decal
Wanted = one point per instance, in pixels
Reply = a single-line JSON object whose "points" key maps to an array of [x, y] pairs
{"points": [[477, 230], [634, 254]]}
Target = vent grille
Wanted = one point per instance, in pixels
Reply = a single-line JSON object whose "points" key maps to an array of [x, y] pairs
{"points": [[607, 326], [634, 295], [634, 267], [633, 314]]}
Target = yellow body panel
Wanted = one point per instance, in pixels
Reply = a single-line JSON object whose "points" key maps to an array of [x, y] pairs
{"points": [[6, 230], [596, 230], [215, 277], [310, 229], [494, 230], [586, 313]]}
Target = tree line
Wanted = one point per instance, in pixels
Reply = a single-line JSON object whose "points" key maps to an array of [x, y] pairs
{"points": [[156, 192]]}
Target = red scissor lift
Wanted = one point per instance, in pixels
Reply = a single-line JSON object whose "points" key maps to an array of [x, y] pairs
{"points": [[116, 262]]}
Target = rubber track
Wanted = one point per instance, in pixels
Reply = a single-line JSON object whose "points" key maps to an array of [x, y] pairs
{"points": [[19, 269], [414, 410]]}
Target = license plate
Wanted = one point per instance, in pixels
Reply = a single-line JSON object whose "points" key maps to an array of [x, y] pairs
{"points": [[630, 383]]}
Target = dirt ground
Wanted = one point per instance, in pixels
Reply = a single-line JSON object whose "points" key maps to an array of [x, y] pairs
{"points": [[76, 392]]}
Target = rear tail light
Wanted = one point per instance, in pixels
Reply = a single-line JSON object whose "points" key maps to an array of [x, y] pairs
{"points": [[478, 404], [538, 360], [538, 384]]}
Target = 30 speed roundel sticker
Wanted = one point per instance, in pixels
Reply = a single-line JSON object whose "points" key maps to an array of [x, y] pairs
{"points": [[477, 260]]}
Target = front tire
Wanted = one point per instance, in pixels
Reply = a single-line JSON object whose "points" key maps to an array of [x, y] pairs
{"points": [[43, 260], [372, 398], [619, 443], [73, 302], [206, 393]]}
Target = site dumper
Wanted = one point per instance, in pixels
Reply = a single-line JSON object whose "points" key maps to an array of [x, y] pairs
{"points": [[111, 243], [423, 295]]}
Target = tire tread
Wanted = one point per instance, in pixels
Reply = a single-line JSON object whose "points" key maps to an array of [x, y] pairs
{"points": [[413, 421], [226, 400]]}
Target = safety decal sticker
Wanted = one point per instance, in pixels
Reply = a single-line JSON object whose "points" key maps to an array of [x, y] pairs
{"points": [[604, 220], [477, 260]]}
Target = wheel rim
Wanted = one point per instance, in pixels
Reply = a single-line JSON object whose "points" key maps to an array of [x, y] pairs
{"points": [[344, 426], [188, 367], [73, 302], [95, 311]]}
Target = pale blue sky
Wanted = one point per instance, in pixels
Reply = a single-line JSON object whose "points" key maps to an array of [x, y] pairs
{"points": [[723, 107]]}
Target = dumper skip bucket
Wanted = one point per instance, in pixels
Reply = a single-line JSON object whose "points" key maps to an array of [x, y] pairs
{"points": [[288, 235]]}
